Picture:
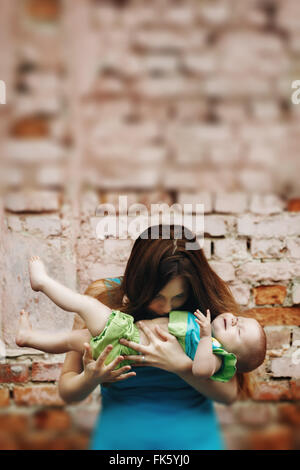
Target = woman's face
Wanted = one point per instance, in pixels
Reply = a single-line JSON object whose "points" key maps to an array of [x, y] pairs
{"points": [[171, 297]]}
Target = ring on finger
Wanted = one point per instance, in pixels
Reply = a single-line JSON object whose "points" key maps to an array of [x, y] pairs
{"points": [[143, 358]]}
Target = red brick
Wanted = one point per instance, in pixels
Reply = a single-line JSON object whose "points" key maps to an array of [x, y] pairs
{"points": [[258, 387], [275, 437], [43, 372], [52, 419], [14, 373], [8, 441], [68, 442], [264, 295], [76, 441], [4, 397], [270, 391], [289, 413], [274, 315], [30, 127], [296, 437], [79, 441], [46, 10], [293, 205], [57, 441], [37, 440], [295, 389], [44, 440], [38, 395], [14, 423]]}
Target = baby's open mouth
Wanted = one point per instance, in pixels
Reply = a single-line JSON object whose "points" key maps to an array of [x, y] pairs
{"points": [[225, 323]]}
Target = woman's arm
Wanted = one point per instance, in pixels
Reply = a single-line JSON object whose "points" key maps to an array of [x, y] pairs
{"points": [[223, 392], [72, 385], [75, 386], [81, 374], [165, 352]]}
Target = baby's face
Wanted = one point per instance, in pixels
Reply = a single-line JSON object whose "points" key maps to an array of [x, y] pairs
{"points": [[236, 334]]}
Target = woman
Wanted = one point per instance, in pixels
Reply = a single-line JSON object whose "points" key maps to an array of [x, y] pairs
{"points": [[160, 404]]}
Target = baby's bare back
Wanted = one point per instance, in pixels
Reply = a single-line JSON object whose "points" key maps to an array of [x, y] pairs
{"points": [[161, 322]]}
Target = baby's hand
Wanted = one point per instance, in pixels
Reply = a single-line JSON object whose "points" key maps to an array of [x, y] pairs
{"points": [[204, 323]]}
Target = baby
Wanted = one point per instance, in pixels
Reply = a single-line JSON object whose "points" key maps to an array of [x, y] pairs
{"points": [[242, 337], [238, 340]]}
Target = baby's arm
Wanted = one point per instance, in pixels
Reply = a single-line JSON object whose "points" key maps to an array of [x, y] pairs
{"points": [[55, 343], [205, 363], [94, 313]]}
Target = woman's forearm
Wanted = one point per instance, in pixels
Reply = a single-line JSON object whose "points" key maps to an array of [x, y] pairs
{"points": [[75, 387], [223, 392]]}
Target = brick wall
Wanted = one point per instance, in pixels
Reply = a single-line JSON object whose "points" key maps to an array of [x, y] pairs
{"points": [[168, 101]]}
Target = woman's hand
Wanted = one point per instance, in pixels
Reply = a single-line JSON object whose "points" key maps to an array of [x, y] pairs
{"points": [[164, 351], [97, 372]]}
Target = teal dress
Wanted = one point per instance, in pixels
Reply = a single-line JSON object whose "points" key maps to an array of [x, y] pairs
{"points": [[155, 410]]}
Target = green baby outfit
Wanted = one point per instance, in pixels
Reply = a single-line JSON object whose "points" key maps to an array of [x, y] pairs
{"points": [[119, 325], [181, 324]]}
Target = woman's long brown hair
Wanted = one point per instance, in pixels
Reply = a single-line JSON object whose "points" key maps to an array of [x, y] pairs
{"points": [[153, 262]]}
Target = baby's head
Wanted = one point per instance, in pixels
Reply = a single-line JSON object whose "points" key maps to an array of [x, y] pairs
{"points": [[242, 336]]}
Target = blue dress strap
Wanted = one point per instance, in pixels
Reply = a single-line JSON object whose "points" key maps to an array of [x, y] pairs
{"points": [[107, 282], [114, 279]]}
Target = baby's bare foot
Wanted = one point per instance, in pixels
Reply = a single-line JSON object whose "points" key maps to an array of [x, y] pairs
{"points": [[37, 273], [24, 329]]}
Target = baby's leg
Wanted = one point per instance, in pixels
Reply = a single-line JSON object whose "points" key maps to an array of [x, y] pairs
{"points": [[55, 343], [94, 313]]}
